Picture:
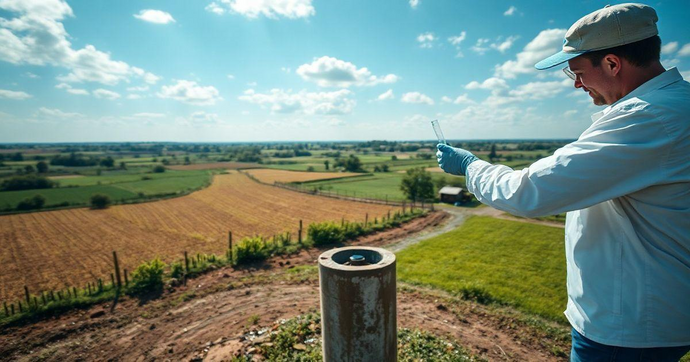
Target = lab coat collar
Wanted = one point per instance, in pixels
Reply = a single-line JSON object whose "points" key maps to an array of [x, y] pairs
{"points": [[670, 76]]}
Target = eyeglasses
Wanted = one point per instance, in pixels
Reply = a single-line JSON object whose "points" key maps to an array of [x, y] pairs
{"points": [[569, 73]]}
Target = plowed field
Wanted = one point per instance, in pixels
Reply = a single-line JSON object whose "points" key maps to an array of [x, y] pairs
{"points": [[70, 247], [270, 176]]}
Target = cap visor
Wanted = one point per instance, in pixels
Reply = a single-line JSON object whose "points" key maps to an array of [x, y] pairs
{"points": [[556, 59]]}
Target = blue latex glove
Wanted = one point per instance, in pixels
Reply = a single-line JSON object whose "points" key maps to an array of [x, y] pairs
{"points": [[454, 160]]}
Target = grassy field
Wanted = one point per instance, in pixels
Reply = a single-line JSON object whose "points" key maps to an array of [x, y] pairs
{"points": [[376, 186], [120, 188], [492, 260]]}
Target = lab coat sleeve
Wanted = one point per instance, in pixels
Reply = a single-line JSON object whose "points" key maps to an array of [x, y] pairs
{"points": [[616, 156]]}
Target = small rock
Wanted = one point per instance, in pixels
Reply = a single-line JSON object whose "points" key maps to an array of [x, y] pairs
{"points": [[219, 340], [226, 275], [152, 327], [171, 350], [280, 263], [247, 292], [100, 313], [287, 262], [442, 307]]}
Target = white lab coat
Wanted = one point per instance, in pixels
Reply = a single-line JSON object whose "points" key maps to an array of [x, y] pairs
{"points": [[626, 186]]}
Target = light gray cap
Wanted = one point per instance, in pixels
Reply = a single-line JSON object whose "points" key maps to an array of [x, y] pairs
{"points": [[606, 28]]}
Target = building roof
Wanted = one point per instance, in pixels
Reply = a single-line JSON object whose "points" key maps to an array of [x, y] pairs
{"points": [[449, 190]]}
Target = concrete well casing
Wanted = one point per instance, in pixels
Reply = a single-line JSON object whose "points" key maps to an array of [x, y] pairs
{"points": [[358, 305]]}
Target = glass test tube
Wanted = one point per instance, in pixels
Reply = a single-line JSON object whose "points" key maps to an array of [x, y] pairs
{"points": [[439, 133]]}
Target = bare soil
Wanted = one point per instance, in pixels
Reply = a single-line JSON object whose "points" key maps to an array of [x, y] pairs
{"points": [[207, 318]]}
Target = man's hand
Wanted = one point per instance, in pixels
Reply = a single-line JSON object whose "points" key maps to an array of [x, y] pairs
{"points": [[454, 160]]}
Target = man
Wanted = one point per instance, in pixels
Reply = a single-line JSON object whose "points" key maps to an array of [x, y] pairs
{"points": [[625, 184]]}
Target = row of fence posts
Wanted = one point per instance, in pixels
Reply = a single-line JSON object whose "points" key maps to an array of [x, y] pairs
{"points": [[116, 281], [67, 293]]}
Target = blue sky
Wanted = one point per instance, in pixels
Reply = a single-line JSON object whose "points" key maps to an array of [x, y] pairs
{"points": [[241, 70]]}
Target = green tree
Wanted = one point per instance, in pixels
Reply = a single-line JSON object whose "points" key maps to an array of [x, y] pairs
{"points": [[417, 184], [351, 164], [42, 167], [159, 169], [100, 201], [492, 154], [326, 163], [29, 169], [108, 162]]}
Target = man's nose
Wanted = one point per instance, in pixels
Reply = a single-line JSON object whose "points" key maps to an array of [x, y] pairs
{"points": [[578, 83]]}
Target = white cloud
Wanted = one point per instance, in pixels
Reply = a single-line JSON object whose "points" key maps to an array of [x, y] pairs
{"points": [[155, 16], [480, 46], [331, 72], [271, 9], [69, 89], [686, 75], [56, 113], [528, 91], [106, 94], [684, 51], [386, 95], [416, 97], [461, 99], [231, 77], [138, 89], [457, 39], [8, 94], [511, 11], [546, 43], [37, 36], [215, 8], [414, 3], [134, 96], [504, 45], [669, 48], [190, 92], [493, 84], [31, 75], [570, 112], [426, 40], [285, 101], [149, 115]]}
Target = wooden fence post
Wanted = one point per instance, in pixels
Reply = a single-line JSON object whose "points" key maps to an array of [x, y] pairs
{"points": [[26, 292], [43, 297], [126, 278], [186, 263], [52, 296], [35, 302], [12, 308], [74, 289], [299, 237], [88, 285], [20, 307], [117, 270], [112, 280], [7, 312], [366, 219]]}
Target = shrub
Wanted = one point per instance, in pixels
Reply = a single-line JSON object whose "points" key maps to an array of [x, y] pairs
{"points": [[100, 201], [28, 182], [250, 249], [159, 169], [325, 233], [35, 202], [176, 270], [147, 277]]}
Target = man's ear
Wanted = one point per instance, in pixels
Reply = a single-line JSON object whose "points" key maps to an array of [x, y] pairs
{"points": [[612, 64]]}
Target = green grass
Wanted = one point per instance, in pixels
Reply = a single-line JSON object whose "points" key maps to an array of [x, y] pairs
{"points": [[494, 261], [120, 187]]}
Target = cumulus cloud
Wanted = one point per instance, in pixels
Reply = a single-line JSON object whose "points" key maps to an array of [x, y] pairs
{"points": [[106, 94], [69, 89], [426, 40], [461, 99], [416, 97], [503, 45], [190, 92], [148, 115], [271, 9], [155, 16], [414, 3], [138, 89], [386, 95], [669, 48], [546, 43], [36, 36], [8, 94], [511, 11], [684, 51], [331, 72], [528, 91], [493, 84], [56, 113], [286, 101], [456, 40], [500, 44]]}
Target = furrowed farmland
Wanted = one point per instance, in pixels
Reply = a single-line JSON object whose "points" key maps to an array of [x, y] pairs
{"points": [[70, 247]]}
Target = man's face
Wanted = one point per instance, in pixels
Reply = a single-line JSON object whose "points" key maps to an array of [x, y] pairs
{"points": [[591, 79]]}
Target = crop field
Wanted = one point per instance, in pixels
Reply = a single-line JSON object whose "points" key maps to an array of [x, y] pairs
{"points": [[77, 191], [508, 262], [270, 175], [70, 247], [215, 165]]}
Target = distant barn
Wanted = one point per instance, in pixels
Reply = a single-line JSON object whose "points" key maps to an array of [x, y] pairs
{"points": [[452, 195]]}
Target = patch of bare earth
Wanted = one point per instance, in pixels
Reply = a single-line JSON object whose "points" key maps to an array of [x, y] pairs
{"points": [[208, 317]]}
